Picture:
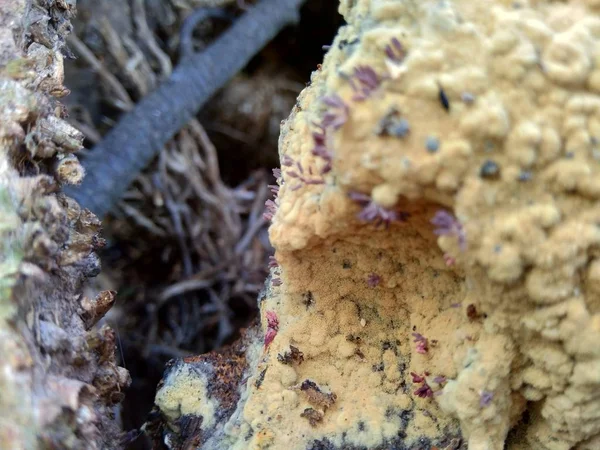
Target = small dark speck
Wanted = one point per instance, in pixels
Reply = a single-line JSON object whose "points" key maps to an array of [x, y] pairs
{"points": [[378, 367], [432, 144], [308, 299], [444, 99], [361, 426], [497, 249], [406, 416], [393, 125], [260, 379], [347, 264], [400, 129], [490, 169], [569, 155]]}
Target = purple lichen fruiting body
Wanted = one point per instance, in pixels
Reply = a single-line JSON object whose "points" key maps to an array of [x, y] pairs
{"points": [[372, 212], [373, 280], [395, 51], [337, 113], [447, 225], [421, 343], [364, 81]]}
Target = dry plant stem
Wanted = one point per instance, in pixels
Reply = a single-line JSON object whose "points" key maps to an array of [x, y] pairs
{"points": [[142, 133], [144, 33], [84, 52], [130, 59]]}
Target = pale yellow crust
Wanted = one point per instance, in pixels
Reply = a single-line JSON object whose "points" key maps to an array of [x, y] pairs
{"points": [[515, 315]]}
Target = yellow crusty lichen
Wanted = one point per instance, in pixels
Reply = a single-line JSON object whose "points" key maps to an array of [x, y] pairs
{"points": [[517, 159], [497, 118], [184, 391]]}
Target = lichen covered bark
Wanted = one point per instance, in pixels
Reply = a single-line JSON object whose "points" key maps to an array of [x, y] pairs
{"points": [[468, 131], [59, 380]]}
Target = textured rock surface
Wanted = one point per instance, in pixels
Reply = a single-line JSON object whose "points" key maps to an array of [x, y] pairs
{"points": [[59, 382], [474, 128]]}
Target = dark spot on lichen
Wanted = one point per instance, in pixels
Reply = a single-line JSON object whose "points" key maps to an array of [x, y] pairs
{"points": [[444, 98], [294, 355], [313, 416], [490, 169], [472, 313], [308, 299], [260, 379], [316, 396], [344, 43], [347, 264], [355, 339], [405, 418], [393, 125], [432, 144], [324, 444], [378, 367]]}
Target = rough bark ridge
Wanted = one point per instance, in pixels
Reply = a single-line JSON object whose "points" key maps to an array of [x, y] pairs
{"points": [[59, 381], [436, 281]]}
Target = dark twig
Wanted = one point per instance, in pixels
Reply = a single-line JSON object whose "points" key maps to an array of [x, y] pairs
{"points": [[142, 133], [186, 47]]}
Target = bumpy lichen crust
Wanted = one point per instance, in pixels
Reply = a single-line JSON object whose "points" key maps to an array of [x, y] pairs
{"points": [[509, 93], [197, 398], [495, 107], [59, 381]]}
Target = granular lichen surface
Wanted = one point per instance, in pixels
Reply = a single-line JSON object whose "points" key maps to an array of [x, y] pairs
{"points": [[437, 235]]}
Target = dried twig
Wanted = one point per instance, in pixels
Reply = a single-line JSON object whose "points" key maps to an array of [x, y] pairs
{"points": [[84, 52], [129, 58], [186, 47], [144, 33]]}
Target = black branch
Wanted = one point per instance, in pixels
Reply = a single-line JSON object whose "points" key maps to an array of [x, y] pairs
{"points": [[117, 160]]}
